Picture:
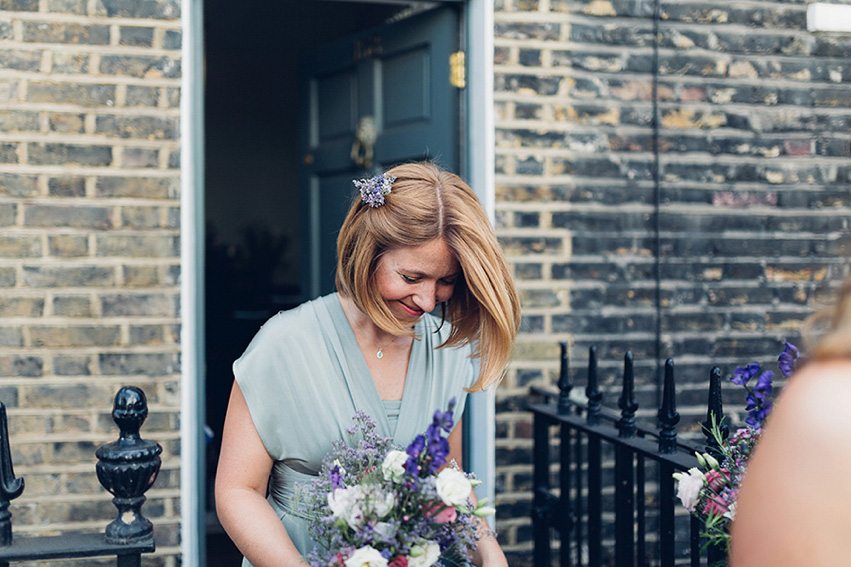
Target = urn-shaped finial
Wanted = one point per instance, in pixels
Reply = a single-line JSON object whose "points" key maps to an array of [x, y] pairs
{"points": [[128, 467]]}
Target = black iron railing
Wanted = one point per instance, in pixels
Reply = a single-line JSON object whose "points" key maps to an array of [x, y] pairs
{"points": [[127, 468], [614, 502]]}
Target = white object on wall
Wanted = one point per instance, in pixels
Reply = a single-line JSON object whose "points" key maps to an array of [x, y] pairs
{"points": [[823, 17]]}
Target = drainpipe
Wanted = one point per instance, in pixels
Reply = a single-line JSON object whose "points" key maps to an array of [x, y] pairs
{"points": [[657, 197]]}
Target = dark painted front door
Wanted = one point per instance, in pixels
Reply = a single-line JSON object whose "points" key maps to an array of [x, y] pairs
{"points": [[394, 78]]}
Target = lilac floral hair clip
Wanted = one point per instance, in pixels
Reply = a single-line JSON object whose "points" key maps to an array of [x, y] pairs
{"points": [[373, 190]]}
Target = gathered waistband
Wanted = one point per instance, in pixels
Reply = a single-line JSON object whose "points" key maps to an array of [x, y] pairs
{"points": [[283, 491]]}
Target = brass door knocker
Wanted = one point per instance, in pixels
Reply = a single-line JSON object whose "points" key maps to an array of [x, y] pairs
{"points": [[365, 135]]}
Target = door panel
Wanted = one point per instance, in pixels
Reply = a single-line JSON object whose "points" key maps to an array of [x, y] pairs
{"points": [[336, 95], [404, 93], [396, 73]]}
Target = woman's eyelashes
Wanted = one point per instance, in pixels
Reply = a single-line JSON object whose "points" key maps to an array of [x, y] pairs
{"points": [[414, 279]]}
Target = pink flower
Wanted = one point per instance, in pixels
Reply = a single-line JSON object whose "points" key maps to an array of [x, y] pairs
{"points": [[716, 480], [443, 515], [399, 561], [715, 506]]}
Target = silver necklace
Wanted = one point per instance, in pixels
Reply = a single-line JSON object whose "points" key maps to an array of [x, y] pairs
{"points": [[380, 354]]}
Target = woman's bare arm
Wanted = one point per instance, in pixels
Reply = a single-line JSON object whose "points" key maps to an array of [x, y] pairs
{"points": [[488, 553], [241, 479]]}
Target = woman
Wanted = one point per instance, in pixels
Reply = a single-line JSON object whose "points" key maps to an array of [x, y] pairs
{"points": [[417, 239], [794, 507]]}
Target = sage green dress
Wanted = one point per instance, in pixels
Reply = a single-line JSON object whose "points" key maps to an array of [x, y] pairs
{"points": [[303, 377]]}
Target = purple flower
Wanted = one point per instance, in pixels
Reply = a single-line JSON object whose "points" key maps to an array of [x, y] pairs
{"points": [[336, 477], [757, 415], [416, 447], [412, 465], [762, 389], [758, 408], [438, 451], [786, 360], [743, 375], [443, 419]]}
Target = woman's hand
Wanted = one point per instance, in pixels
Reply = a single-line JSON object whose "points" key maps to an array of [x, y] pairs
{"points": [[488, 553]]}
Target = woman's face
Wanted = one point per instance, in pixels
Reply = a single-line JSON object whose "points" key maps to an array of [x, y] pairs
{"points": [[412, 280]]}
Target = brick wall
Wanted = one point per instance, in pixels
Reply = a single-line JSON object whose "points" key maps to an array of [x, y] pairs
{"points": [[713, 253], [89, 248]]}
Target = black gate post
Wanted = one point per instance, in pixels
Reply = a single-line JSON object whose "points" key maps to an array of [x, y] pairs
{"points": [[595, 466], [10, 487], [715, 412], [541, 483], [668, 419], [625, 472]]}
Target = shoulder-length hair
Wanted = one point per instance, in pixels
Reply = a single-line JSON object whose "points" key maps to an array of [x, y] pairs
{"points": [[829, 330], [427, 202]]}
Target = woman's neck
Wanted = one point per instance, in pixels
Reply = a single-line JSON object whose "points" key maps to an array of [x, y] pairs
{"points": [[362, 325]]}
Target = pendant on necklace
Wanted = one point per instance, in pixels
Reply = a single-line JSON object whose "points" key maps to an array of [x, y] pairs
{"points": [[379, 354]]}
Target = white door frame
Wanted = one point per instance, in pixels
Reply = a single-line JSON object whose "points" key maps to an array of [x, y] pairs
{"points": [[478, 27], [192, 404], [479, 171]]}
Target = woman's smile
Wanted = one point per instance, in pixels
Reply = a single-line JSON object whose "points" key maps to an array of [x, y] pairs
{"points": [[413, 280]]}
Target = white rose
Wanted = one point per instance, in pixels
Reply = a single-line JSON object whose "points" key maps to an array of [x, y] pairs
{"points": [[379, 503], [689, 487], [453, 487], [345, 503], [393, 466], [385, 530], [424, 554], [366, 556]]}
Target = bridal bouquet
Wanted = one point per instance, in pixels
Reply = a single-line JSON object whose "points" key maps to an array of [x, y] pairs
{"points": [[375, 505], [710, 494]]}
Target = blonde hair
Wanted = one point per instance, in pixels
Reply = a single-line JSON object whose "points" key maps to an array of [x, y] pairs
{"points": [[426, 203], [832, 328]]}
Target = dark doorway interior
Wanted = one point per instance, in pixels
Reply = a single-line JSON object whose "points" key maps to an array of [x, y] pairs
{"points": [[252, 55]]}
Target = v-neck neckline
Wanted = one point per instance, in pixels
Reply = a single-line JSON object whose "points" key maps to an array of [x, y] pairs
{"points": [[364, 374]]}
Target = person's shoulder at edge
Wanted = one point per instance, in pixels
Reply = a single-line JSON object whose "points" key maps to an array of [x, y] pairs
{"points": [[791, 509], [818, 396], [810, 417]]}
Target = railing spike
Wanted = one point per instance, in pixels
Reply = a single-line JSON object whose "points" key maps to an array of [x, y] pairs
{"points": [[715, 411], [10, 487], [564, 384], [627, 402], [592, 390], [668, 415]]}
